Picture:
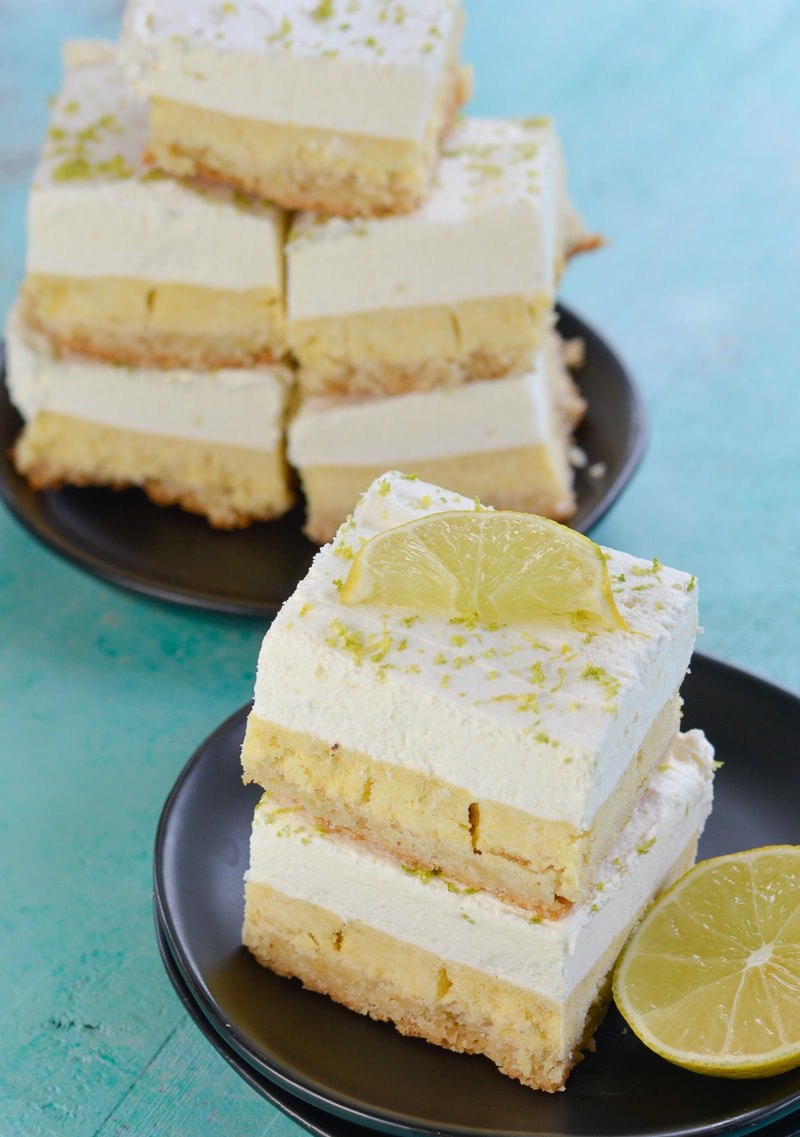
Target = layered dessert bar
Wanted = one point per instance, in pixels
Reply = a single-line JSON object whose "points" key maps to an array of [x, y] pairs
{"points": [[464, 817], [506, 757], [456, 967], [209, 441], [334, 105], [133, 267], [506, 441], [461, 289]]}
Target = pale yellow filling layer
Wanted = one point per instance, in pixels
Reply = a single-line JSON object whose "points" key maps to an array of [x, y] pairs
{"points": [[533, 479], [230, 485], [528, 1036], [156, 324], [416, 349], [534, 862]]}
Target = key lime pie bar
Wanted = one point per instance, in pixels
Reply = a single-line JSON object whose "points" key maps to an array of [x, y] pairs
{"points": [[380, 720], [466, 724], [458, 967], [134, 268], [461, 289], [210, 441], [506, 441], [335, 105]]}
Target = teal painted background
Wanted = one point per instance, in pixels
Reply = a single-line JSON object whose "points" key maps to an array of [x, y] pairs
{"points": [[679, 123]]}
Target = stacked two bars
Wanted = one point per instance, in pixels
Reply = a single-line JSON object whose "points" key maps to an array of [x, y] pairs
{"points": [[462, 821], [147, 346], [180, 326]]}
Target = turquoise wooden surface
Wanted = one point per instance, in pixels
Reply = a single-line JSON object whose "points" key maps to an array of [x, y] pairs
{"points": [[679, 122]]}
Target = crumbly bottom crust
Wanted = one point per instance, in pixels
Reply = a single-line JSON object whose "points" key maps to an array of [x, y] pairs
{"points": [[529, 1037], [532, 479], [231, 486], [156, 324], [391, 351], [424, 822], [303, 167]]}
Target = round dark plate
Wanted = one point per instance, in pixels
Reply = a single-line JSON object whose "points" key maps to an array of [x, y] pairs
{"points": [[363, 1072], [318, 1121], [125, 539]]}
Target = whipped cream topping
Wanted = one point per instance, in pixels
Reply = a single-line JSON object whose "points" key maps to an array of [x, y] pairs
{"points": [[498, 223], [545, 718], [346, 65], [472, 928], [233, 406], [96, 210], [473, 418]]}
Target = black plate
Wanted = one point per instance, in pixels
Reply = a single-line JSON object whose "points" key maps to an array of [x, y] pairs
{"points": [[365, 1072], [125, 539], [318, 1121]]}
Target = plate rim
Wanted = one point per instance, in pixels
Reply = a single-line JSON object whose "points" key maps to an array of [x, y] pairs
{"points": [[639, 436], [381, 1120], [294, 1107], [63, 544], [287, 1103]]}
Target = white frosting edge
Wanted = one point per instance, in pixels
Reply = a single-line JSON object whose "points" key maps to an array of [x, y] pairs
{"points": [[475, 417], [137, 227], [512, 201], [472, 418], [231, 406]]}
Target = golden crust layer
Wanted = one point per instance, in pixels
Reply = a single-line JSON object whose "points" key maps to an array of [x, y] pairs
{"points": [[154, 324], [530, 1038], [303, 167], [531, 479], [423, 822], [391, 351], [231, 486]]}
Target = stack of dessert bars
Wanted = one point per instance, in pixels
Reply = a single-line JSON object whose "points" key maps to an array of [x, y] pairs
{"points": [[264, 231], [148, 344], [462, 820]]}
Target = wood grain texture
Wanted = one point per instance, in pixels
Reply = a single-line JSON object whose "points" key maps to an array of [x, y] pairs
{"points": [[679, 123]]}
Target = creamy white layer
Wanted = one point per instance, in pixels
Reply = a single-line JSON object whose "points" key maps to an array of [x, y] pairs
{"points": [[96, 211], [358, 66], [477, 417], [545, 718], [472, 928], [498, 223], [233, 406]]}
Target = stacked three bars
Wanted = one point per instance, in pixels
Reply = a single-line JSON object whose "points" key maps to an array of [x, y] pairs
{"points": [[255, 227]]}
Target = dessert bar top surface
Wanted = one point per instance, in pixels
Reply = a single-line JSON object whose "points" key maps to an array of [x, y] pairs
{"points": [[352, 65], [545, 717]]}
